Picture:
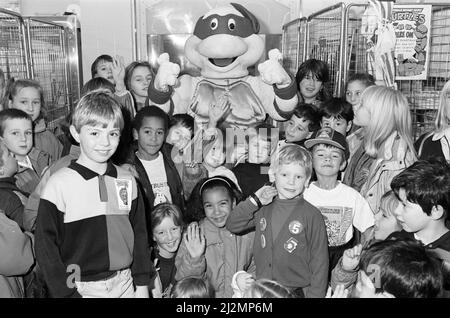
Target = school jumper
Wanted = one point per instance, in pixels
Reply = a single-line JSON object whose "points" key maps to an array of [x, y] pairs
{"points": [[298, 256], [94, 221], [32, 204]]}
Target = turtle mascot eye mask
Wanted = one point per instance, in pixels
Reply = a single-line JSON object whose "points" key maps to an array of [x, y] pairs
{"points": [[224, 44]]}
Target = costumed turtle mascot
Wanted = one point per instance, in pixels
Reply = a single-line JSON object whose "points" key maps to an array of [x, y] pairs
{"points": [[224, 44]]}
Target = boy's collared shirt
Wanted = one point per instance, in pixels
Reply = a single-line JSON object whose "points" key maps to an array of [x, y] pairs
{"points": [[94, 221]]}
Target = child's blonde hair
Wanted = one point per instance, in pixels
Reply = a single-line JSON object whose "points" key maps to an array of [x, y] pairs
{"points": [[266, 288], [97, 108], [441, 122], [290, 153], [191, 287], [389, 202], [17, 85], [389, 112]]}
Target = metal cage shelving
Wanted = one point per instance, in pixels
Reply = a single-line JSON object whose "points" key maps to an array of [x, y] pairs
{"points": [[40, 49]]}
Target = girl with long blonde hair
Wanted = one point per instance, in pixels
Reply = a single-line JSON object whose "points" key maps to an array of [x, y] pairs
{"points": [[385, 116]]}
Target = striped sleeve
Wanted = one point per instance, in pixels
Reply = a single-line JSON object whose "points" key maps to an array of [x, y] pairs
{"points": [[48, 235]]}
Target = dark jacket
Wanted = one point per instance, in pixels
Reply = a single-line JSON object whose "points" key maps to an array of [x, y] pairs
{"points": [[251, 176], [173, 179], [428, 148], [12, 200]]}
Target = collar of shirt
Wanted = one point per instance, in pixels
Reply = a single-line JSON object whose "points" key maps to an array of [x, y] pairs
{"points": [[88, 174], [442, 242], [25, 164]]}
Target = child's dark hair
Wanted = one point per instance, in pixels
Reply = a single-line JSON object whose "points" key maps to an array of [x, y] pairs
{"points": [[266, 288], [337, 107], [426, 183], [192, 287], [150, 111], [309, 112], [97, 83], [318, 69], [65, 127], [403, 268], [196, 212], [265, 130], [365, 78], [185, 120], [163, 210], [130, 69], [104, 57], [11, 113]]}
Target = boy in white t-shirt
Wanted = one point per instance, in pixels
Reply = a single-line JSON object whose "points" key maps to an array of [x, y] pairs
{"points": [[156, 170], [342, 207]]}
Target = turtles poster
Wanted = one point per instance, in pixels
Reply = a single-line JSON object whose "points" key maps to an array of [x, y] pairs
{"points": [[412, 25]]}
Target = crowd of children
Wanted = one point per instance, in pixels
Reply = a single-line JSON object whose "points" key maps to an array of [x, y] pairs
{"points": [[128, 201]]}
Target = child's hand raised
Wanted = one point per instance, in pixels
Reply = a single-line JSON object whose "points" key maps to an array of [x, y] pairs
{"points": [[218, 110], [350, 259], [266, 194], [244, 280], [118, 72], [195, 240]]}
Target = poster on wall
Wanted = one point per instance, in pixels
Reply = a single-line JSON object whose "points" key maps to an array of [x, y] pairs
{"points": [[412, 25]]}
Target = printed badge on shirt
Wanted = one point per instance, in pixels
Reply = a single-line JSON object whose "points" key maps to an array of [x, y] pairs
{"points": [[123, 192], [159, 198]]}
